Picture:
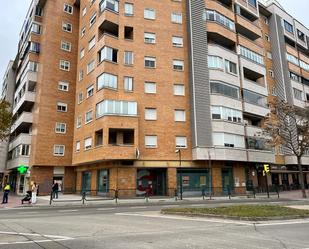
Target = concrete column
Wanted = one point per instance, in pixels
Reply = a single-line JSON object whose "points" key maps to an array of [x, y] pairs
{"points": [[79, 181], [171, 181], [94, 182]]}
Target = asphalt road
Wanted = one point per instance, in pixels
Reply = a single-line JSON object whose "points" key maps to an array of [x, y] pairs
{"points": [[141, 227]]}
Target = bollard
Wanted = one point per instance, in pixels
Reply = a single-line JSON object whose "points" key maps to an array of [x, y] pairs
{"points": [[229, 193], [116, 196], [51, 198], [146, 196], [203, 194], [83, 197], [175, 194], [253, 193]]}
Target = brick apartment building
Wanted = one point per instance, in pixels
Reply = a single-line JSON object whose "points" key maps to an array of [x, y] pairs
{"points": [[131, 95]]}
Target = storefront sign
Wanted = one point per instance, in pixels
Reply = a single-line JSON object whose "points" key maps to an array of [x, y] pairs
{"points": [[22, 169]]}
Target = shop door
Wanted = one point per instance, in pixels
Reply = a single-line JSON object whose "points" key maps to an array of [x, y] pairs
{"points": [[151, 182], [103, 182], [86, 181], [227, 180], [21, 184]]}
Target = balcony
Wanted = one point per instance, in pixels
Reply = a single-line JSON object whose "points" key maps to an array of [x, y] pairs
{"points": [[247, 28], [220, 153], [260, 156], [255, 109], [108, 15], [109, 28], [22, 123], [230, 127], [255, 87], [220, 100], [25, 103], [292, 160], [224, 7], [16, 162], [221, 35], [23, 138]]}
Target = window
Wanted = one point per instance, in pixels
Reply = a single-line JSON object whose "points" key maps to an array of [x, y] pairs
{"points": [[151, 141], [255, 98], [181, 142], [179, 90], [88, 143], [150, 114], [81, 75], [84, 11], [78, 122], [34, 47], [230, 67], [80, 98], [228, 140], [92, 19], [107, 80], [180, 115], [177, 41], [109, 54], [178, 65], [274, 91], [63, 86], [298, 94], [128, 33], [176, 17], [288, 27], [64, 65], [266, 21], [149, 38], [60, 128], [292, 59], [304, 65], [109, 4], [98, 138], [36, 28], [269, 55], [128, 9], [301, 35], [82, 53], [295, 77], [90, 91], [68, 8], [214, 16], [150, 62], [267, 38], [128, 84], [252, 2], [88, 117], [150, 14], [90, 66], [250, 55], [215, 62], [66, 46], [38, 11], [25, 149], [62, 107], [116, 107], [227, 114], [67, 27], [59, 150], [128, 58], [83, 32], [150, 87], [91, 43], [77, 146], [271, 73], [224, 89]]}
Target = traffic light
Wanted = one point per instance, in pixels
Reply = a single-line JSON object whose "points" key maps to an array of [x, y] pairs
{"points": [[266, 168]]}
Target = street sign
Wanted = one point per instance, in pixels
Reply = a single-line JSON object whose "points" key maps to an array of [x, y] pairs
{"points": [[22, 169]]}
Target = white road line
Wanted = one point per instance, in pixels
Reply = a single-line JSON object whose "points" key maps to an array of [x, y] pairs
{"points": [[138, 207], [290, 222], [168, 206], [67, 211], [27, 212], [105, 209], [199, 219]]}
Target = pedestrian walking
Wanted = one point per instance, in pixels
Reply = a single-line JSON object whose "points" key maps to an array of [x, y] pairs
{"points": [[6, 192], [55, 189], [34, 190]]}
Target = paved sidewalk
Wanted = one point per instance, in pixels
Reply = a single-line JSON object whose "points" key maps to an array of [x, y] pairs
{"points": [[74, 200]]}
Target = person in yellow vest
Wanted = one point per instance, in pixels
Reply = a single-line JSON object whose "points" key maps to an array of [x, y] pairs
{"points": [[6, 192]]}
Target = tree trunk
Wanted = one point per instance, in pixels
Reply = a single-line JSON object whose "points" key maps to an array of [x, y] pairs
{"points": [[301, 177]]}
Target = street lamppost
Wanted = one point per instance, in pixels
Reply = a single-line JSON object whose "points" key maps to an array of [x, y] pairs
{"points": [[180, 172], [210, 175]]}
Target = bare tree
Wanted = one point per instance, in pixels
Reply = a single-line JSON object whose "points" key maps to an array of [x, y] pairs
{"points": [[289, 126], [5, 120]]}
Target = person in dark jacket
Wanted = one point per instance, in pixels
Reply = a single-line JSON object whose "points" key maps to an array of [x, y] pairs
{"points": [[55, 190]]}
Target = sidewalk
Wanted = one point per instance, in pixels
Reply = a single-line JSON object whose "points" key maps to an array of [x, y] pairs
{"points": [[75, 200]]}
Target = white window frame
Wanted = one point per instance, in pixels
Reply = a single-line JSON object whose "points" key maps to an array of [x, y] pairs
{"points": [[66, 25], [152, 83], [59, 146], [183, 115], [153, 145], [66, 46], [70, 8], [64, 65], [58, 129], [63, 105], [89, 89], [77, 146], [181, 146], [175, 42], [148, 11], [149, 38], [176, 17], [151, 114], [61, 84], [184, 91], [86, 146], [91, 117]]}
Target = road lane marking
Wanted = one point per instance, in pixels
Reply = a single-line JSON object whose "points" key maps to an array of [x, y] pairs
{"points": [[27, 212], [105, 209], [50, 238], [138, 207], [68, 211], [168, 206], [288, 222]]}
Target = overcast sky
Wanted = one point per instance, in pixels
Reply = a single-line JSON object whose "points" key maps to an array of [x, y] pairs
{"points": [[13, 13]]}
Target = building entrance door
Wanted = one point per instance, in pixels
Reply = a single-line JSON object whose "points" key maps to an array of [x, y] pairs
{"points": [[86, 181], [151, 182], [103, 182], [227, 180]]}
